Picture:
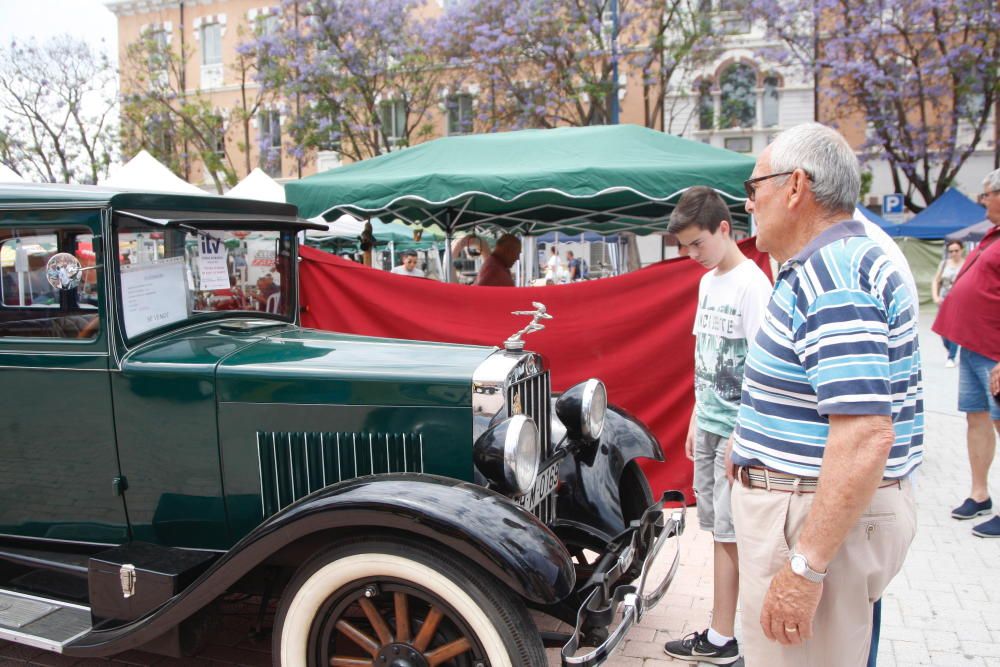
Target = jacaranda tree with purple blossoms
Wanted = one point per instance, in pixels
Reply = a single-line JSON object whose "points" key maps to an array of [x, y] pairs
{"points": [[542, 63], [923, 75], [57, 102], [363, 74]]}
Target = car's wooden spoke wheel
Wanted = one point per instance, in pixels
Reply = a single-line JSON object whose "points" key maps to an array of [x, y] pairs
{"points": [[395, 624], [401, 603]]}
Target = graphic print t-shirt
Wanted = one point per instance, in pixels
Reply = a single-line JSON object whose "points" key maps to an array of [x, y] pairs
{"points": [[730, 308]]}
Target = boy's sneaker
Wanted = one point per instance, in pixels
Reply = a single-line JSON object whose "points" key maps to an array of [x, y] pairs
{"points": [[696, 648], [989, 528], [970, 509]]}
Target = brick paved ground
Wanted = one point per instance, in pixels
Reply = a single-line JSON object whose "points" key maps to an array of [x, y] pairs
{"points": [[943, 609]]}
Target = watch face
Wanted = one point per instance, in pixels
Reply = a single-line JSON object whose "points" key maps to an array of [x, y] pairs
{"points": [[799, 564]]}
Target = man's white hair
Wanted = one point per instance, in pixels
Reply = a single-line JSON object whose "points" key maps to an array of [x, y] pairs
{"points": [[992, 181], [824, 154]]}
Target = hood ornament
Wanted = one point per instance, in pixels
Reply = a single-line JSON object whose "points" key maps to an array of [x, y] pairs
{"points": [[516, 342]]}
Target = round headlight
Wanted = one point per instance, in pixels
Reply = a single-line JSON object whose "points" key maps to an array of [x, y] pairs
{"points": [[508, 455], [582, 409], [594, 408], [520, 453]]}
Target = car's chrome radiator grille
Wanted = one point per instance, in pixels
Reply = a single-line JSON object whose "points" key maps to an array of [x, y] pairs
{"points": [[293, 465], [530, 396], [546, 510]]}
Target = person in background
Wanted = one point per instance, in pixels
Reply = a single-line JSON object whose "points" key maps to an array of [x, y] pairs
{"points": [[573, 266], [265, 288], [941, 285], [409, 265], [970, 317], [732, 298], [495, 271], [831, 419], [553, 267]]}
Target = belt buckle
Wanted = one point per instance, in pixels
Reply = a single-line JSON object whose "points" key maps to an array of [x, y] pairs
{"points": [[743, 475]]}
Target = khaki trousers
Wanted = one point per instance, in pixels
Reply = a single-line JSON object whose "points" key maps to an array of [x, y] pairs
{"points": [[768, 523]]}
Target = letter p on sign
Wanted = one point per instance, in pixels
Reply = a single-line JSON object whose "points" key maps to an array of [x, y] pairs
{"points": [[892, 204]]}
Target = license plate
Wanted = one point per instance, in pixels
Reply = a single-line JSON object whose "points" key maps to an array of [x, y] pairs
{"points": [[545, 484]]}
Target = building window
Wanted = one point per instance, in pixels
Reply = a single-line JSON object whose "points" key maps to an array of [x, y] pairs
{"points": [[270, 142], [158, 58], [769, 105], [739, 144], [270, 127], [392, 116], [159, 137], [211, 44], [269, 23], [328, 134], [218, 136], [706, 106], [459, 114], [735, 25], [738, 99]]}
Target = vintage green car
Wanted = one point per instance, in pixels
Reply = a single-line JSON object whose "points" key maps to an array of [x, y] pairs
{"points": [[170, 435]]}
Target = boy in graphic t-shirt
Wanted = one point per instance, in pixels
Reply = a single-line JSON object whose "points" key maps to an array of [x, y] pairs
{"points": [[732, 298]]}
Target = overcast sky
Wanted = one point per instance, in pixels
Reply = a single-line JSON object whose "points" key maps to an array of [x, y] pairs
{"points": [[88, 19]]}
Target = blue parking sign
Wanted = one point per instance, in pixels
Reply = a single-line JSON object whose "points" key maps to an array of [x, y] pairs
{"points": [[892, 204]]}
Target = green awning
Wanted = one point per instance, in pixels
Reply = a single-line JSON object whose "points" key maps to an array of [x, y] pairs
{"points": [[605, 179]]}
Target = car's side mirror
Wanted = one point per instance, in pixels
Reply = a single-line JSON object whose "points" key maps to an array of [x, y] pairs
{"points": [[64, 271]]}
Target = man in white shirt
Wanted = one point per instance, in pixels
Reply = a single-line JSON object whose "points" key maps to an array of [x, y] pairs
{"points": [[409, 265]]}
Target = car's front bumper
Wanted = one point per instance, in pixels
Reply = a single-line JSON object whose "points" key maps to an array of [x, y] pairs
{"points": [[644, 539]]}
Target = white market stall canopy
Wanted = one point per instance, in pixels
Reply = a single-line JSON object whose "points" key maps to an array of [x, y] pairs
{"points": [[344, 227], [145, 172], [258, 185]]}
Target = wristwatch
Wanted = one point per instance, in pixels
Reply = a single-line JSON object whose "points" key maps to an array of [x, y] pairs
{"points": [[800, 566]]}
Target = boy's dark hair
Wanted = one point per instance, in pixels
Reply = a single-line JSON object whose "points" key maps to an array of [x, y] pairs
{"points": [[408, 253], [700, 206]]}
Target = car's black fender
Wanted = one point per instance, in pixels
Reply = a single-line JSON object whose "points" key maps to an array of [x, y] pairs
{"points": [[469, 520], [589, 502]]}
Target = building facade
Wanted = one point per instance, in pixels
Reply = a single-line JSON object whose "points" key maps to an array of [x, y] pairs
{"points": [[740, 99], [734, 102]]}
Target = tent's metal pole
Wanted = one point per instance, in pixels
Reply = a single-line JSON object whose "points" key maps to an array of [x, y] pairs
{"points": [[529, 258], [449, 230]]}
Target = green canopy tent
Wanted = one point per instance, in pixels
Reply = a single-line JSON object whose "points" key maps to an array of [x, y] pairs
{"points": [[605, 179]]}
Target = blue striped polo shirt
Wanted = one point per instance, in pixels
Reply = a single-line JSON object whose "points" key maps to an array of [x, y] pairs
{"points": [[839, 338]]}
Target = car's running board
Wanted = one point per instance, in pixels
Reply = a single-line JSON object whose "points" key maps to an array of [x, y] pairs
{"points": [[41, 622]]}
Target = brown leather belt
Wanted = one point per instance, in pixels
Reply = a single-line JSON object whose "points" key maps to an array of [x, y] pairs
{"points": [[755, 477]]}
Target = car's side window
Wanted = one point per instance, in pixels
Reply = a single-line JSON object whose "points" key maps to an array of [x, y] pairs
{"points": [[30, 307]]}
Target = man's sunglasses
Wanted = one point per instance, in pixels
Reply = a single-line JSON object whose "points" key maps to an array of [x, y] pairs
{"points": [[750, 185]]}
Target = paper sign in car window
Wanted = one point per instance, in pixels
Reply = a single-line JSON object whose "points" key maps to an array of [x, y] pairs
{"points": [[212, 271], [153, 295]]}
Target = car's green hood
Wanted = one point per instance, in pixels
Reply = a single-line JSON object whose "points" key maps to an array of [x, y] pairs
{"points": [[307, 366]]}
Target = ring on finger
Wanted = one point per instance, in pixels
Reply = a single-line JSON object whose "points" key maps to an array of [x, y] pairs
{"points": [[791, 629]]}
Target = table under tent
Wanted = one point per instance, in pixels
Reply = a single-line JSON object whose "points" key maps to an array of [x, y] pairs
{"points": [[602, 179]]}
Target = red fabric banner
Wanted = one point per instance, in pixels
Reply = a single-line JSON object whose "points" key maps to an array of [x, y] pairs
{"points": [[631, 331]]}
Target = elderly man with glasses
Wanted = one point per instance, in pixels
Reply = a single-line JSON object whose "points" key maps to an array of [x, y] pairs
{"points": [[831, 419], [970, 317]]}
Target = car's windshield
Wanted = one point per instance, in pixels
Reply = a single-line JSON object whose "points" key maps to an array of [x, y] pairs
{"points": [[169, 274]]}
